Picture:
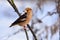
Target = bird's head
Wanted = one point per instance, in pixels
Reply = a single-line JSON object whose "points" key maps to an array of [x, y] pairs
{"points": [[28, 10]]}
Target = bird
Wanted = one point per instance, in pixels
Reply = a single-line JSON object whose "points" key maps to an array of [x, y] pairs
{"points": [[24, 19]]}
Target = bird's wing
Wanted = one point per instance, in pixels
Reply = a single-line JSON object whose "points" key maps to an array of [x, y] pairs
{"points": [[22, 18]]}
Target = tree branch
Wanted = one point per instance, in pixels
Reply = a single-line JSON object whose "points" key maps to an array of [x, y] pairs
{"points": [[26, 34], [11, 2], [32, 31]]}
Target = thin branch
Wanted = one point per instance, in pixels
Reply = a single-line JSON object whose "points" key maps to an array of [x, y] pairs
{"points": [[32, 31], [26, 34], [14, 6]]}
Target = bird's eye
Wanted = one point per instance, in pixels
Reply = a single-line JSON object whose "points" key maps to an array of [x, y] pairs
{"points": [[27, 10]]}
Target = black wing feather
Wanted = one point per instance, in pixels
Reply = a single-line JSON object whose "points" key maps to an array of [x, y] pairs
{"points": [[20, 19]]}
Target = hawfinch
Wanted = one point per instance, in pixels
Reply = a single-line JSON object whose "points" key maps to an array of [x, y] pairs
{"points": [[24, 19]]}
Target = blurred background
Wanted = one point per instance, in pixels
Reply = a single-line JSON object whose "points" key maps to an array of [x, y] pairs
{"points": [[45, 20]]}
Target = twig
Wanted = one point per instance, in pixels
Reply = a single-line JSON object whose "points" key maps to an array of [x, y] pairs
{"points": [[32, 31], [14, 6], [26, 34]]}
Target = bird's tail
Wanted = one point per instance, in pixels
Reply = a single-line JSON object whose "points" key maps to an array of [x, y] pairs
{"points": [[14, 23], [11, 25]]}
